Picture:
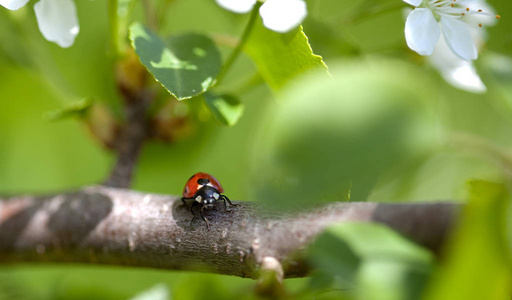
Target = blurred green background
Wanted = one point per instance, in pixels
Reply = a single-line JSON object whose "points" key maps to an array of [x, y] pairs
{"points": [[384, 127]]}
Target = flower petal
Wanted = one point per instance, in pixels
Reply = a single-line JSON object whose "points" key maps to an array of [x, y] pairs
{"points": [[422, 31], [283, 15], [458, 38], [465, 78], [13, 4], [456, 71], [237, 6], [57, 21], [413, 2]]}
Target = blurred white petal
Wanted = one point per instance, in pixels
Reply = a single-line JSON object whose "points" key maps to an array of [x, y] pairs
{"points": [[456, 71], [422, 31], [465, 77], [458, 38], [283, 15], [58, 21], [413, 2], [13, 4], [237, 6], [159, 291]]}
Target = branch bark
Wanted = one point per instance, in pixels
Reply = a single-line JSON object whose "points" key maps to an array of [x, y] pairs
{"points": [[105, 225], [131, 140]]}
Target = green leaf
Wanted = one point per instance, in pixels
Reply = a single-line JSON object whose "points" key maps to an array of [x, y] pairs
{"points": [[282, 57], [186, 65], [477, 265], [378, 262], [226, 108], [75, 109]]}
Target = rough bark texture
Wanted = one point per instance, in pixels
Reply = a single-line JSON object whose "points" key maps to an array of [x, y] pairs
{"points": [[122, 227]]}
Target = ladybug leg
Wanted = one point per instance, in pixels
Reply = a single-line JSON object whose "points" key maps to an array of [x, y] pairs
{"points": [[190, 209], [201, 214], [224, 198], [183, 199]]}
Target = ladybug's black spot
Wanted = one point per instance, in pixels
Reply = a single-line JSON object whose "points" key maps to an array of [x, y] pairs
{"points": [[203, 181]]}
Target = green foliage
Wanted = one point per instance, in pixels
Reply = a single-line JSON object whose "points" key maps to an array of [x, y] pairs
{"points": [[477, 262], [329, 135], [186, 65], [384, 127], [227, 109], [76, 109], [280, 58], [374, 262], [37, 155], [371, 261]]}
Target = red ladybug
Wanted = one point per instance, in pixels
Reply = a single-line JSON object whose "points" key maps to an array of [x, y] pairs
{"points": [[204, 189]]}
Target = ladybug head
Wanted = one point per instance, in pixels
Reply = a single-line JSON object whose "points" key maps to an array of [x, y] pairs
{"points": [[207, 195], [207, 202]]}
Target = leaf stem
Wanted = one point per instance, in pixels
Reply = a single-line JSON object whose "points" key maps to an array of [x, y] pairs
{"points": [[114, 27], [245, 36], [119, 14]]}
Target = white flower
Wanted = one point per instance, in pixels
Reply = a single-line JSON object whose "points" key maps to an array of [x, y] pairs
{"points": [[57, 19], [424, 25], [278, 15], [458, 72]]}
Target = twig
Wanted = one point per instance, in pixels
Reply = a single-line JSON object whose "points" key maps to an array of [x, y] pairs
{"points": [[105, 225], [131, 140]]}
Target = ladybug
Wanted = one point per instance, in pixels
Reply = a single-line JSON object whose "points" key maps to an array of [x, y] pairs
{"points": [[204, 189]]}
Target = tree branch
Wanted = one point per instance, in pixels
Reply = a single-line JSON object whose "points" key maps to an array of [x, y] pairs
{"points": [[106, 225], [131, 140]]}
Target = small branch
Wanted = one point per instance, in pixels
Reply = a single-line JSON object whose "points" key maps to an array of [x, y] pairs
{"points": [[113, 17], [131, 140], [105, 225]]}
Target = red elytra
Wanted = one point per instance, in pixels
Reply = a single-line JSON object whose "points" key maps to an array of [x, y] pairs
{"points": [[192, 185]]}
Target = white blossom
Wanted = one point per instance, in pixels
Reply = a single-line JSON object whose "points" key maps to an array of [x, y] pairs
{"points": [[458, 72], [430, 18], [278, 15], [57, 19]]}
